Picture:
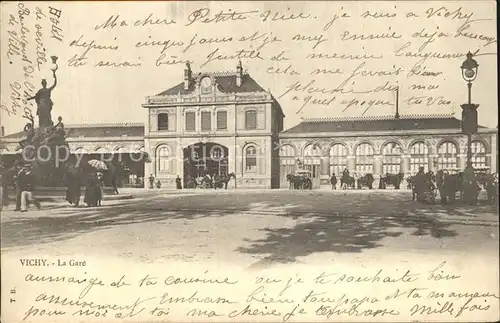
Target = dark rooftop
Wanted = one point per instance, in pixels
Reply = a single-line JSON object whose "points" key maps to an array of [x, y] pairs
{"points": [[376, 124], [97, 131], [226, 83]]}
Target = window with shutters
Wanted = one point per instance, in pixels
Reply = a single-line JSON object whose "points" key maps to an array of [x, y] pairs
{"points": [[251, 119], [206, 121], [162, 121], [190, 121], [221, 120], [251, 159]]}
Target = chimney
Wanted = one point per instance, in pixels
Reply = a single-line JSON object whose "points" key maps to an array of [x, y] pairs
{"points": [[397, 103], [187, 76], [239, 74]]}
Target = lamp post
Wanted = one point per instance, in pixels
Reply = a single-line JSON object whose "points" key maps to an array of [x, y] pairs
{"points": [[469, 110]]}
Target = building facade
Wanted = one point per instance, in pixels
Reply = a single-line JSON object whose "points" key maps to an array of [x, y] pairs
{"points": [[225, 122], [381, 145], [213, 123]]}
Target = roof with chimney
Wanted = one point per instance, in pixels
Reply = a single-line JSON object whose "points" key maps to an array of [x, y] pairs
{"points": [[226, 82], [384, 123], [102, 130]]}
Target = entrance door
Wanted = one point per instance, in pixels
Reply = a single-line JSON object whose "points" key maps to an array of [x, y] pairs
{"points": [[205, 159]]}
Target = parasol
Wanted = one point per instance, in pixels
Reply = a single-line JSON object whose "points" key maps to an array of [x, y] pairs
{"points": [[97, 164]]}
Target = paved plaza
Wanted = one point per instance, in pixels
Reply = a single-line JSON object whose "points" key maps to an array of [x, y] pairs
{"points": [[259, 228]]}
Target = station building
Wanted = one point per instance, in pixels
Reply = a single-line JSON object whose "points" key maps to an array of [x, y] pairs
{"points": [[225, 122]]}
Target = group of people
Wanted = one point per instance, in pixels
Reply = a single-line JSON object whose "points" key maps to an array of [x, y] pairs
{"points": [[94, 187], [345, 176], [152, 183], [24, 181]]}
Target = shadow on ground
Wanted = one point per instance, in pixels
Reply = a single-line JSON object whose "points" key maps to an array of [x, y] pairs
{"points": [[321, 222]]}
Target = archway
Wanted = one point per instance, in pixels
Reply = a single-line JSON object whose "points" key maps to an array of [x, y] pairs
{"points": [[202, 159]]}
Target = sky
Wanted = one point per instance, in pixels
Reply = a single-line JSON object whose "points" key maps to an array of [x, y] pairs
{"points": [[370, 44]]}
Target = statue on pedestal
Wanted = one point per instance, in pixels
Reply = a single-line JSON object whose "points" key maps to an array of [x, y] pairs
{"points": [[43, 100]]}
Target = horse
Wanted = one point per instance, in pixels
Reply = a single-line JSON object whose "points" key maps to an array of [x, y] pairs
{"points": [[299, 182], [347, 182], [430, 193], [449, 185], [223, 180], [394, 179], [366, 180]]}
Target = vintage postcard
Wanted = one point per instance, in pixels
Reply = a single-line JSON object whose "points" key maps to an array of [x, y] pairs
{"points": [[249, 161]]}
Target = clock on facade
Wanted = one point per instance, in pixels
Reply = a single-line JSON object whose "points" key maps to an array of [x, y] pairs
{"points": [[206, 84]]}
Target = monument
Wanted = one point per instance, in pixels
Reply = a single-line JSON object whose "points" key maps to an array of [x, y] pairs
{"points": [[43, 99], [45, 148]]}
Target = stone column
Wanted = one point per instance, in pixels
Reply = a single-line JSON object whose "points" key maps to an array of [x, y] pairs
{"points": [[462, 160], [377, 165], [325, 170], [405, 164], [351, 163], [430, 165]]}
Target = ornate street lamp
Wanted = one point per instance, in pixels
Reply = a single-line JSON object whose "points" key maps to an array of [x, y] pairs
{"points": [[469, 111]]}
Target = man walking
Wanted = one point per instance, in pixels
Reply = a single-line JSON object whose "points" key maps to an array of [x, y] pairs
{"points": [[151, 181], [333, 181], [27, 185]]}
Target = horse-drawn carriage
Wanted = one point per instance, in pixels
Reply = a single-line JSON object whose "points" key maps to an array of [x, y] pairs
{"points": [[301, 179], [215, 182], [449, 182], [354, 182]]}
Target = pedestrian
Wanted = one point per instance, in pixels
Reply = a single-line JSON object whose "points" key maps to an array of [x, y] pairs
{"points": [[158, 184], [92, 190], [420, 185], [381, 184], [178, 183], [100, 183], [18, 170], [333, 181], [151, 181], [73, 183], [27, 185]]}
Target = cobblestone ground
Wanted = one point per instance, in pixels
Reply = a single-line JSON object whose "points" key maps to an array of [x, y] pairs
{"points": [[255, 229]]}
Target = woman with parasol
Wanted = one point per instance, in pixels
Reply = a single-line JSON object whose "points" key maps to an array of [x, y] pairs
{"points": [[93, 191]]}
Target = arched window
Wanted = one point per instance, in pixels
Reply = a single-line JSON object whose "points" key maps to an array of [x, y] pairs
{"points": [[100, 150], [162, 121], [419, 157], [478, 154], [338, 159], [312, 159], [447, 155], [364, 159], [287, 155], [391, 158], [251, 159], [163, 159]]}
